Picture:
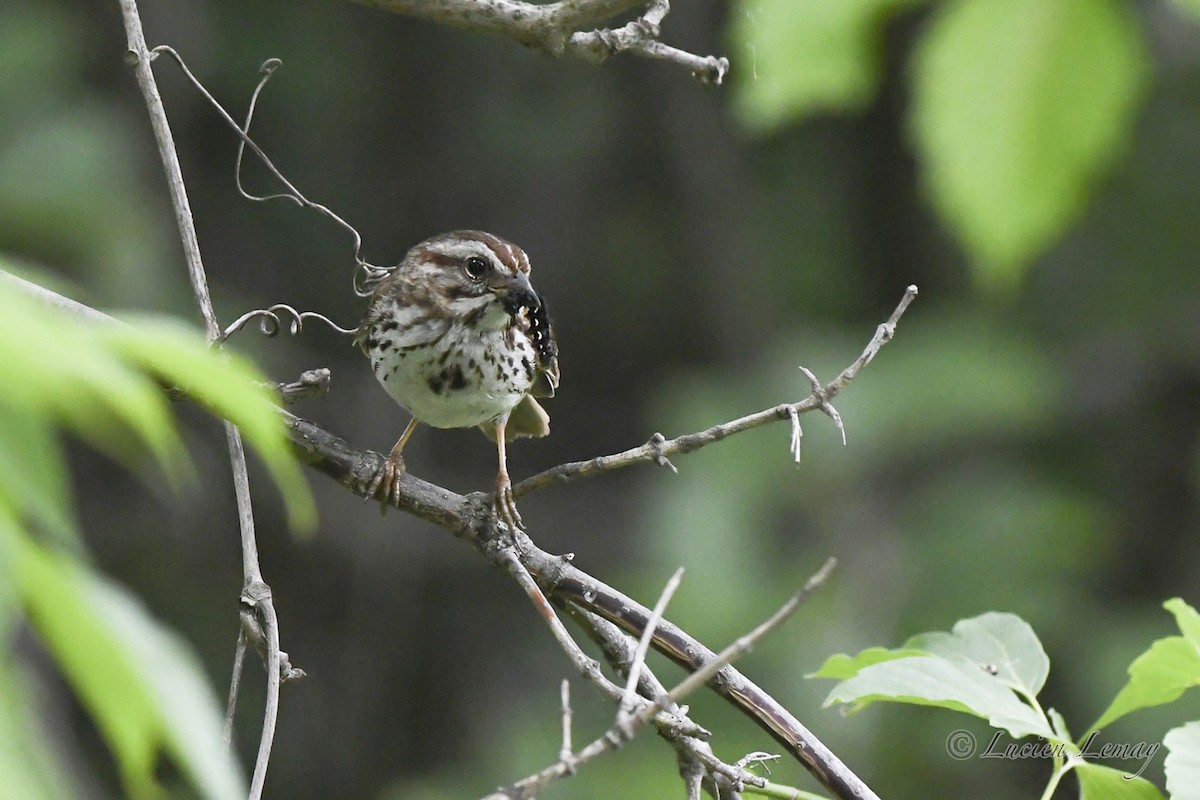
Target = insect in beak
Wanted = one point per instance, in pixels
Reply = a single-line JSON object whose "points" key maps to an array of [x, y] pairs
{"points": [[517, 293]]}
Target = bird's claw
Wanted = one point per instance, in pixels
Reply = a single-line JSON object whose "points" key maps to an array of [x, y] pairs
{"points": [[385, 486], [505, 506]]}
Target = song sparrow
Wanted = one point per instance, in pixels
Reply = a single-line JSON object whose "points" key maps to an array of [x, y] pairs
{"points": [[457, 335]]}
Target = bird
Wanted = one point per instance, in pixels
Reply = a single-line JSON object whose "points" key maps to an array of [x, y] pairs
{"points": [[457, 335]]}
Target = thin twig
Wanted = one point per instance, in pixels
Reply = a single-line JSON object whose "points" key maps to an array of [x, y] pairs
{"points": [[658, 448], [140, 58], [588, 667], [778, 791], [692, 772], [584, 664], [257, 595], [569, 584], [618, 649], [627, 727], [744, 644], [818, 391], [530, 786], [239, 658], [311, 383], [625, 707], [56, 300], [564, 752], [758, 757], [627, 724]]}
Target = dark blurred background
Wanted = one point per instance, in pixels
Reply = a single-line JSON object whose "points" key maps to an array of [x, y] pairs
{"points": [[1035, 451]]}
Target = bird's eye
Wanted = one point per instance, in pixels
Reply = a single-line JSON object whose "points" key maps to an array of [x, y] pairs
{"points": [[476, 268]]}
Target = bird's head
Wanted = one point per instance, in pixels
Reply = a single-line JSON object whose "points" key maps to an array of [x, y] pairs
{"points": [[472, 274]]}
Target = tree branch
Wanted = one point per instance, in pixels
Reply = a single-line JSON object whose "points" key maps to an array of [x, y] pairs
{"points": [[744, 644], [668, 722], [469, 518], [562, 28], [658, 449], [722, 780], [625, 707], [626, 726], [139, 58]]}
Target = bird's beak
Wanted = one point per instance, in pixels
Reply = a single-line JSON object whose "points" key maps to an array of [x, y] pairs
{"points": [[518, 293]]}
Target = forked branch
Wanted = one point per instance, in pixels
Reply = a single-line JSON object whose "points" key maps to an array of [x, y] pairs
{"points": [[658, 449], [565, 585], [569, 27], [698, 761], [468, 517]]}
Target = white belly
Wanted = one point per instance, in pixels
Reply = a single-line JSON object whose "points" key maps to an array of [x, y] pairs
{"points": [[460, 381]]}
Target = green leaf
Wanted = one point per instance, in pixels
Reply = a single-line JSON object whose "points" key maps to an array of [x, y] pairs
{"points": [[1186, 618], [33, 477], [974, 669], [1183, 761], [29, 770], [1059, 723], [842, 666], [1161, 674], [800, 56], [225, 384], [25, 764], [1001, 644], [138, 681], [1097, 782], [954, 683], [1019, 106], [103, 381], [56, 366]]}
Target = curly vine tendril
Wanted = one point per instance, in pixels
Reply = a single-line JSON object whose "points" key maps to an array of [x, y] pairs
{"points": [[366, 275], [270, 322]]}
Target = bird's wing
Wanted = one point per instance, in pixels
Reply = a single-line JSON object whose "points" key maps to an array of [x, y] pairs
{"points": [[527, 419]]}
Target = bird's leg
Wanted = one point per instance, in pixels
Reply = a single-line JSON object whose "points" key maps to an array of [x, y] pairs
{"points": [[504, 504], [386, 485]]}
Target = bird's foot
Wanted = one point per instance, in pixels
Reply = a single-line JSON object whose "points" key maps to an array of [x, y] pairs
{"points": [[504, 505], [385, 486]]}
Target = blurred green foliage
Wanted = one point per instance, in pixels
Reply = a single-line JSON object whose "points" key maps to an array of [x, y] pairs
{"points": [[807, 55], [62, 146], [139, 681], [1009, 161], [104, 382]]}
